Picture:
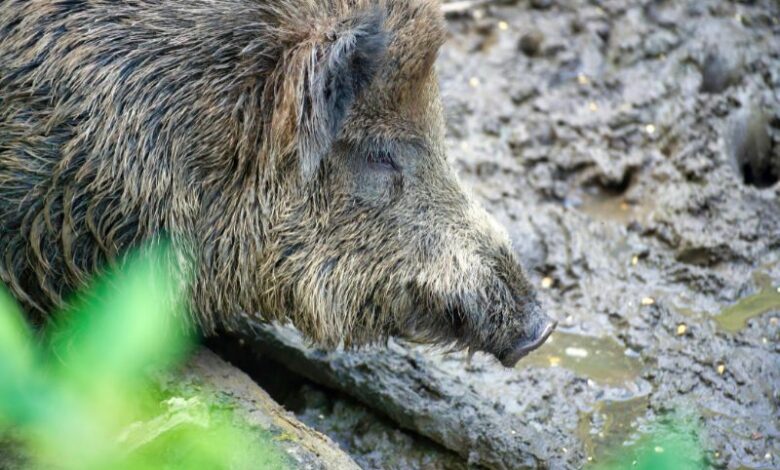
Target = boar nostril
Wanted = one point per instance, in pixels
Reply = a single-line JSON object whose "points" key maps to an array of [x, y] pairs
{"points": [[525, 345]]}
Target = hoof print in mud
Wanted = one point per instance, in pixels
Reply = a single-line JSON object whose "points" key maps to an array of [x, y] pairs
{"points": [[757, 162]]}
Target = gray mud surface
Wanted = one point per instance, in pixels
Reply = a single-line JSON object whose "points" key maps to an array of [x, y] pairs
{"points": [[632, 150]]}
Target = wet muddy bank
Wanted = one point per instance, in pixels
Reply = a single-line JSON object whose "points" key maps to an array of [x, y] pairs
{"points": [[634, 156], [632, 150]]}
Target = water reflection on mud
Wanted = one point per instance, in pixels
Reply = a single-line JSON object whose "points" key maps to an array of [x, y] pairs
{"points": [[735, 317], [610, 208], [602, 360], [610, 426], [612, 421]]}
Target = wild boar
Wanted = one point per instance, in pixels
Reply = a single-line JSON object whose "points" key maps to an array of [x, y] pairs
{"points": [[296, 145]]}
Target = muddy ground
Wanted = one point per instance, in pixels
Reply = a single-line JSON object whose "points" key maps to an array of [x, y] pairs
{"points": [[632, 149]]}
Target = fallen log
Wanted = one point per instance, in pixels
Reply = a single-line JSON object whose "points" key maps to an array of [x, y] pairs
{"points": [[410, 390], [220, 381]]}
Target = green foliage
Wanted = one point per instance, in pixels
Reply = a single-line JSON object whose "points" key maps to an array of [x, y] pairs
{"points": [[671, 444], [79, 394]]}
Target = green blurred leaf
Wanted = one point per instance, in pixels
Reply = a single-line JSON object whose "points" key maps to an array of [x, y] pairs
{"points": [[129, 320], [220, 445], [72, 402], [16, 355]]}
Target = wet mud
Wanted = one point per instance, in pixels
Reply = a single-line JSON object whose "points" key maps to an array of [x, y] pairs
{"points": [[632, 150]]}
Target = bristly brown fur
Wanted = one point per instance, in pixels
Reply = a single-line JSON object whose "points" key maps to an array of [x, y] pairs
{"points": [[244, 127]]}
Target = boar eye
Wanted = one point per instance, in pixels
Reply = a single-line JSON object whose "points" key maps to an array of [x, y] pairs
{"points": [[382, 159]]}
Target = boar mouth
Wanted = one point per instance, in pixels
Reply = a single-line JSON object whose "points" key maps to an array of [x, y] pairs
{"points": [[525, 345]]}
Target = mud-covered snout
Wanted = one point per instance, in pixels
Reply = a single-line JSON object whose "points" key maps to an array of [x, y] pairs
{"points": [[539, 328]]}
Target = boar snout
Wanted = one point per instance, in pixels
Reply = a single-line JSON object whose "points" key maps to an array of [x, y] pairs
{"points": [[538, 328], [525, 326], [479, 299]]}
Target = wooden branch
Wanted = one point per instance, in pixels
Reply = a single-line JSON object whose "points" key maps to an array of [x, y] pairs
{"points": [[412, 391]]}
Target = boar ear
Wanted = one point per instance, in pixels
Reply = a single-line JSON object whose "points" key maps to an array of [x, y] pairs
{"points": [[341, 65]]}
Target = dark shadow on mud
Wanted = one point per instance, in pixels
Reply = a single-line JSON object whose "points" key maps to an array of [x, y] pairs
{"points": [[751, 148], [370, 438]]}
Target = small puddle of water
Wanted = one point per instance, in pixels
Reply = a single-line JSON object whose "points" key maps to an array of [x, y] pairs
{"points": [[615, 209], [610, 426], [735, 317], [610, 423], [600, 359]]}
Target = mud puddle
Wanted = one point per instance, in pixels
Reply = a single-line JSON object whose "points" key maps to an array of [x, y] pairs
{"points": [[735, 317], [611, 426], [614, 208], [612, 421], [602, 360]]}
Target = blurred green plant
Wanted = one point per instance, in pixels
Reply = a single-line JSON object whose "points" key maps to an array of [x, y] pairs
{"points": [[79, 395], [672, 443]]}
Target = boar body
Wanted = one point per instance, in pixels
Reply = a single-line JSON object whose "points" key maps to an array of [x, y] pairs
{"points": [[292, 150]]}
